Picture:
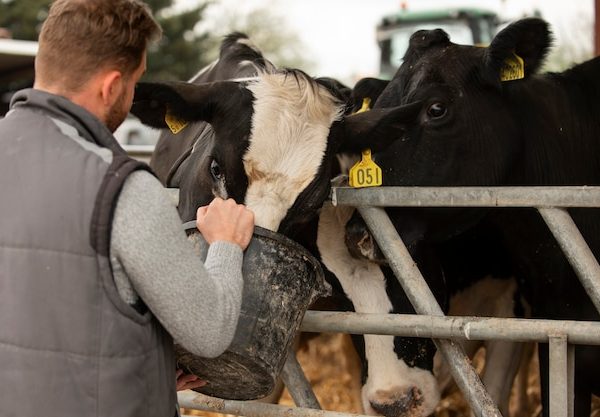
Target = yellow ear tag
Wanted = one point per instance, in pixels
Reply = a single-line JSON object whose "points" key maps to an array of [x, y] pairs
{"points": [[366, 105], [175, 123], [365, 173], [513, 68]]}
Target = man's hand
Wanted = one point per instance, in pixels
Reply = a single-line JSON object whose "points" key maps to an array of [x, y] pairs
{"points": [[225, 220], [187, 381]]}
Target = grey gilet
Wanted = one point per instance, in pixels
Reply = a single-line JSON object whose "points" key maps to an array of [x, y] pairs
{"points": [[69, 345]]}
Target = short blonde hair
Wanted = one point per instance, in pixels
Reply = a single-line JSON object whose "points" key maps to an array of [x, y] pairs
{"points": [[80, 37]]}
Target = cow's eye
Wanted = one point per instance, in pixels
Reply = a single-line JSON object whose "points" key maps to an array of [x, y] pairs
{"points": [[215, 170], [436, 110]]}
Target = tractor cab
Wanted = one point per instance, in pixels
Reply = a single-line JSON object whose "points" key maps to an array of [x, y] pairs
{"points": [[465, 26]]}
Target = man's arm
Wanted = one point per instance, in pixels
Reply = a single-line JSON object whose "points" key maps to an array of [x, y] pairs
{"points": [[197, 303]]}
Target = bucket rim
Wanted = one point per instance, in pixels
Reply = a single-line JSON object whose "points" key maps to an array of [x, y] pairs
{"points": [[324, 287]]}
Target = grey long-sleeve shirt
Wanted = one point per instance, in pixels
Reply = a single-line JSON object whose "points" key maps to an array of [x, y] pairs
{"points": [[198, 303]]}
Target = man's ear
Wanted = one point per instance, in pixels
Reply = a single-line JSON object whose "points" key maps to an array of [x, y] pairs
{"points": [[111, 88]]}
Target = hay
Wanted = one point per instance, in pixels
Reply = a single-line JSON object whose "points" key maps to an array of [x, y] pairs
{"points": [[333, 369]]}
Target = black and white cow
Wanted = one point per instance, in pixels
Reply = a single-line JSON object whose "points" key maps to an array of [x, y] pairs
{"points": [[264, 137], [473, 128]]}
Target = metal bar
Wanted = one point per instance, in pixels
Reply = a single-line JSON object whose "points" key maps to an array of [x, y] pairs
{"points": [[400, 261], [456, 327], [559, 396], [424, 302], [570, 196], [571, 379], [576, 250], [297, 384], [195, 401], [139, 152]]}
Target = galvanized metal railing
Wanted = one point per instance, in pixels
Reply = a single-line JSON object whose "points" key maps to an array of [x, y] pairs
{"points": [[139, 152], [551, 202]]}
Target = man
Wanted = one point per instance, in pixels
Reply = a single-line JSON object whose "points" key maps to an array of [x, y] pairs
{"points": [[96, 274]]}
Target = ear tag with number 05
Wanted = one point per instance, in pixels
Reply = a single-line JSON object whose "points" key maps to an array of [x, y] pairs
{"points": [[174, 123], [365, 173]]}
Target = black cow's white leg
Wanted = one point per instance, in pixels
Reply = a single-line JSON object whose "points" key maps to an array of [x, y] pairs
{"points": [[392, 387], [502, 360]]}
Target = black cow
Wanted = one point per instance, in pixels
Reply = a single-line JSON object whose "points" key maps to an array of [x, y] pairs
{"points": [[467, 274], [475, 126]]}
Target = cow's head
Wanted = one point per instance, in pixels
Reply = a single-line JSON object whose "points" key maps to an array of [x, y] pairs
{"points": [[271, 144], [464, 123], [465, 131]]}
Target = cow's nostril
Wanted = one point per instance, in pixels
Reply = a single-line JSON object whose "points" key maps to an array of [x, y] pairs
{"points": [[399, 404]]}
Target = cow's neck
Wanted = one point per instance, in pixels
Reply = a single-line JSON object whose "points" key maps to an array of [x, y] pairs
{"points": [[558, 118]]}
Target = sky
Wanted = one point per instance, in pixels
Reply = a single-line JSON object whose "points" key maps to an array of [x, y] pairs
{"points": [[339, 35]]}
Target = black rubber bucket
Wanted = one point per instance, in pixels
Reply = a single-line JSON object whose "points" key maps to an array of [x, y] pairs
{"points": [[281, 280]]}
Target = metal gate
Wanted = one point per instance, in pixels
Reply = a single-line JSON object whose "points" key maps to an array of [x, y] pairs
{"points": [[552, 204]]}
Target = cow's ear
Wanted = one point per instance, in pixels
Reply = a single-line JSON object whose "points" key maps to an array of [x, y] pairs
{"points": [[375, 129], [530, 39], [370, 88], [183, 101], [336, 88]]}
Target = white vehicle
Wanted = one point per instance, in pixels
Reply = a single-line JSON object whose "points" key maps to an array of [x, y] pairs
{"points": [[16, 68], [467, 26], [133, 133]]}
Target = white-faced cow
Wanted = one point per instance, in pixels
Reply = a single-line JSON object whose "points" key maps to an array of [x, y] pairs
{"points": [[475, 127]]}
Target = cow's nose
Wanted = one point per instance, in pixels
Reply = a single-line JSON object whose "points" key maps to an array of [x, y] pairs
{"points": [[406, 403], [360, 242]]}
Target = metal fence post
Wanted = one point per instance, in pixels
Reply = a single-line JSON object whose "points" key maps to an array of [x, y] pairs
{"points": [[195, 401], [297, 384], [561, 373]]}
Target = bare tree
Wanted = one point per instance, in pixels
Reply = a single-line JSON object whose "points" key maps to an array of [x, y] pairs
{"points": [[268, 31]]}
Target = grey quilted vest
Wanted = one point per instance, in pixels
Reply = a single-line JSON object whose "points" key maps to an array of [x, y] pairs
{"points": [[69, 346]]}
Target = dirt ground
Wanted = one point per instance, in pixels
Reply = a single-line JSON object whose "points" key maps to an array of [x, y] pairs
{"points": [[332, 367]]}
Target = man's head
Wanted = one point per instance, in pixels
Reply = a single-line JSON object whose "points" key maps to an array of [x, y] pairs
{"points": [[94, 51]]}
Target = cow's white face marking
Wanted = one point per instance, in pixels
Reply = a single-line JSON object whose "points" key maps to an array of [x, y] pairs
{"points": [[364, 284], [287, 143], [220, 189]]}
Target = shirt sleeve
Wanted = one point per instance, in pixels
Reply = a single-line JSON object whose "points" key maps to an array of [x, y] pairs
{"points": [[198, 303]]}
